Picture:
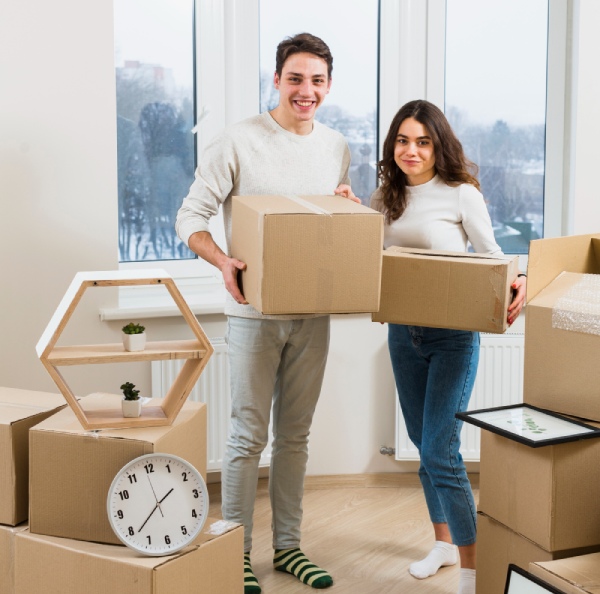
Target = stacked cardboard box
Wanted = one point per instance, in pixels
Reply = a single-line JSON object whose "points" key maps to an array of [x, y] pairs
{"points": [[70, 541], [540, 504], [19, 411], [57, 475]]}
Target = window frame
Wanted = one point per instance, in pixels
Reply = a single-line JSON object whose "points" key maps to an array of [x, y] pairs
{"points": [[226, 61]]}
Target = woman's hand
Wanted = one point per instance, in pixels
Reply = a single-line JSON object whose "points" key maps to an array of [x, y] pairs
{"points": [[518, 301], [345, 191]]}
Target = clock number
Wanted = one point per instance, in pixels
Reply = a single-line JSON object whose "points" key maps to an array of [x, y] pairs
{"points": [[124, 494], [131, 531], [184, 475], [196, 494], [183, 530], [194, 514], [167, 539], [132, 478], [149, 540], [169, 468], [119, 514], [149, 467]]}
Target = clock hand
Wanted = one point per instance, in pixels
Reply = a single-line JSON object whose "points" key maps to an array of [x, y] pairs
{"points": [[168, 493], [149, 516], [155, 497]]}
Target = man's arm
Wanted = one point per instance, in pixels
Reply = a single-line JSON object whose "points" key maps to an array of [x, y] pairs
{"points": [[203, 244]]}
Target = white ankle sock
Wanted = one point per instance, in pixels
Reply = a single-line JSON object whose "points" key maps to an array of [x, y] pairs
{"points": [[442, 554], [466, 585]]}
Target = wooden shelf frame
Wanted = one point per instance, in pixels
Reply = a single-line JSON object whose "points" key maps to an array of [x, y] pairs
{"points": [[196, 352]]}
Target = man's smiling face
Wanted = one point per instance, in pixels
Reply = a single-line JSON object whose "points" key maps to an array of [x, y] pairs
{"points": [[302, 87]]}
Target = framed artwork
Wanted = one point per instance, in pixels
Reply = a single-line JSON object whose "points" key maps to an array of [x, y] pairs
{"points": [[529, 425], [519, 581]]}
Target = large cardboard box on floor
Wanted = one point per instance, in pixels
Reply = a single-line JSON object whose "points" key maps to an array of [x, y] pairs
{"points": [[71, 469], [308, 254], [439, 289], [573, 575], [213, 564], [548, 494], [498, 545], [7, 557], [562, 326], [19, 411]]}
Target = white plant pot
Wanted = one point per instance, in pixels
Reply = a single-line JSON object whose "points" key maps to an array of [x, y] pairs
{"points": [[131, 408], [134, 342]]}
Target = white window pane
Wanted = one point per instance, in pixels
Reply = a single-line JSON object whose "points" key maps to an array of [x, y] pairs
{"points": [[155, 114], [496, 64], [350, 29]]}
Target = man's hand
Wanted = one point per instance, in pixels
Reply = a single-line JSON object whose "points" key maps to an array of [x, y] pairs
{"points": [[345, 191], [202, 244], [230, 269]]}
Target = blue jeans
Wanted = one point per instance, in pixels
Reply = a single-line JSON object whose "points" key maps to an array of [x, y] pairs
{"points": [[435, 370], [278, 364]]}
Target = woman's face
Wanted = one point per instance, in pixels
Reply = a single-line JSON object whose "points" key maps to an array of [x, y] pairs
{"points": [[413, 152]]}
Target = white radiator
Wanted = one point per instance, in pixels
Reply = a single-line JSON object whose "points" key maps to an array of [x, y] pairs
{"points": [[212, 388], [499, 382]]}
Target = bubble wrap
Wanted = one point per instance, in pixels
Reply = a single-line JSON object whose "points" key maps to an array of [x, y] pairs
{"points": [[578, 310]]}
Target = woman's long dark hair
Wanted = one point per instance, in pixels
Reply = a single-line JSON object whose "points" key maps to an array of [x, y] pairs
{"points": [[450, 161]]}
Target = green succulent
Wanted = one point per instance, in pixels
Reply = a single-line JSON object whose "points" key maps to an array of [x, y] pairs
{"points": [[128, 391], [132, 328]]}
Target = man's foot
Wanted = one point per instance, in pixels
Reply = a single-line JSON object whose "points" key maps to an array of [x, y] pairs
{"points": [[293, 561], [442, 554], [250, 582]]}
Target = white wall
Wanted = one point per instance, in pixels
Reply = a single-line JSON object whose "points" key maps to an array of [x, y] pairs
{"points": [[586, 205], [57, 171], [58, 184]]}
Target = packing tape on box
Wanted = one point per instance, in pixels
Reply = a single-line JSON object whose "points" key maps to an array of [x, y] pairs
{"points": [[578, 310], [312, 207]]}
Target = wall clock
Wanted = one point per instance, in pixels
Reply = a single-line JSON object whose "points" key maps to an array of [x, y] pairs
{"points": [[157, 504]]}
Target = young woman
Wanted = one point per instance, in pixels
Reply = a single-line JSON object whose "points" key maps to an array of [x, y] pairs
{"points": [[431, 199]]}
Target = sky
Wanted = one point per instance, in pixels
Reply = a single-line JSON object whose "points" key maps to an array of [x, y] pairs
{"points": [[496, 59]]}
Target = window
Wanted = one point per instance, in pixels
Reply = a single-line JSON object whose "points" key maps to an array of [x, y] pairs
{"points": [[154, 68], [351, 106], [496, 65], [509, 112]]}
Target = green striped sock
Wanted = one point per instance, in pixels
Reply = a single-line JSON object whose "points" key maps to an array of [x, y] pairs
{"points": [[295, 562], [250, 582]]}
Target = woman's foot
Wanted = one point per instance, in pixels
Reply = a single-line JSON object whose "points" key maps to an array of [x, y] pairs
{"points": [[442, 554]]}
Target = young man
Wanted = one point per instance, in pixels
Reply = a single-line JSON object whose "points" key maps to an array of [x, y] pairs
{"points": [[276, 361]]}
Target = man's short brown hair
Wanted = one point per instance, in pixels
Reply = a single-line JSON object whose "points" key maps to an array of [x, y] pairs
{"points": [[303, 42]]}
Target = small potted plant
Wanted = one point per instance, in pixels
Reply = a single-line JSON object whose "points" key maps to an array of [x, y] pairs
{"points": [[134, 337], [131, 403]]}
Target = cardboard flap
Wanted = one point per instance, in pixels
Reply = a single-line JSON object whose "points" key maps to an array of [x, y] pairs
{"points": [[549, 257], [581, 573], [428, 253]]}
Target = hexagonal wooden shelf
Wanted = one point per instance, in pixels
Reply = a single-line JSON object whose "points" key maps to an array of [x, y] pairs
{"points": [[196, 352]]}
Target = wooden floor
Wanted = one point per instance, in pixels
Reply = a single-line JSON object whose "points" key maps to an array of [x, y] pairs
{"points": [[365, 530]]}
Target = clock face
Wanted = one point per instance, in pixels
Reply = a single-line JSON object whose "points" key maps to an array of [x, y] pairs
{"points": [[157, 504]]}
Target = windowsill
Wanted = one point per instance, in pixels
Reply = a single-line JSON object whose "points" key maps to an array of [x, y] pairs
{"points": [[204, 296]]}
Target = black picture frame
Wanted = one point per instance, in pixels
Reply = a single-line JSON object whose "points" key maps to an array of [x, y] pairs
{"points": [[526, 583], [492, 419]]}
